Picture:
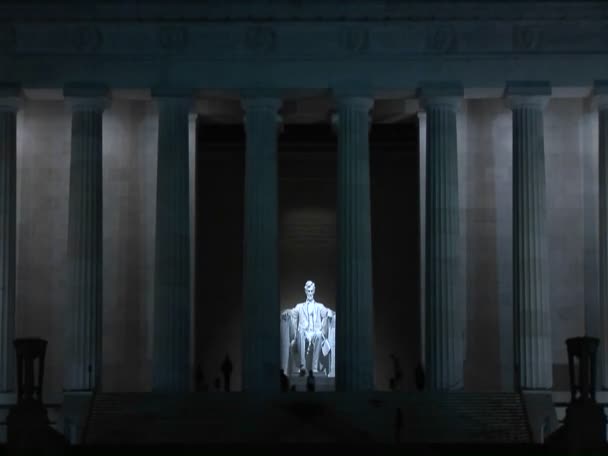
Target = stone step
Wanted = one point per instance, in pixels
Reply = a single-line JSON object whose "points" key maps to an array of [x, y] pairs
{"points": [[322, 383], [200, 418]]}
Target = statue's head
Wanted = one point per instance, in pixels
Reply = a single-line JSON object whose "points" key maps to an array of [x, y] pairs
{"points": [[309, 288]]}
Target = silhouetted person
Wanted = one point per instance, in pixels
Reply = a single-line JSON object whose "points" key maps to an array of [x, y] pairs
{"points": [[227, 371], [391, 384], [284, 382], [217, 384], [302, 370], [199, 378], [28, 429], [398, 424], [310, 382], [398, 373], [419, 377]]}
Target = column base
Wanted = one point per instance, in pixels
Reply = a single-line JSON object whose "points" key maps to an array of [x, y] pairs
{"points": [[76, 406]]}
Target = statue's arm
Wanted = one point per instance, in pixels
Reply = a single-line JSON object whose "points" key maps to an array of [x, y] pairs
{"points": [[288, 316], [324, 326], [294, 323]]}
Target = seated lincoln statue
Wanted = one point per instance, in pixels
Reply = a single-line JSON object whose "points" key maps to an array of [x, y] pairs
{"points": [[308, 335]]}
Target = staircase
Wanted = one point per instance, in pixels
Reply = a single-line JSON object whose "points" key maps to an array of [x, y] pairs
{"points": [[219, 418], [464, 418], [151, 418]]}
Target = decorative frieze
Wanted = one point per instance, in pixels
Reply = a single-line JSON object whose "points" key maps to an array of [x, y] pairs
{"points": [[301, 40], [260, 38], [173, 38], [87, 38], [441, 39], [355, 39], [387, 43], [527, 37]]}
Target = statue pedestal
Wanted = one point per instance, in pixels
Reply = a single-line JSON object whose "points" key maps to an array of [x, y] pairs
{"points": [[323, 384]]}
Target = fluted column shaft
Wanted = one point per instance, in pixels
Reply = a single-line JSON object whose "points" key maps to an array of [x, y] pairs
{"points": [[171, 355], [602, 105], [443, 328], [261, 272], [354, 331], [8, 221], [85, 238], [532, 316]]}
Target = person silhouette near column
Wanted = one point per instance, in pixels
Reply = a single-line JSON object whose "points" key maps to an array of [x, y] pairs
{"points": [[284, 382], [310, 382], [227, 371]]}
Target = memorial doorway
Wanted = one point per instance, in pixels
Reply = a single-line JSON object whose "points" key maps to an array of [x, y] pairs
{"points": [[307, 238]]}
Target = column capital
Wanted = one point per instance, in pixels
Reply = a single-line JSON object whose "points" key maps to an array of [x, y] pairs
{"points": [[527, 94], [446, 94], [261, 104], [351, 89], [351, 99], [335, 119], [173, 96], [162, 92], [355, 102], [87, 97], [600, 95], [11, 97], [260, 99]]}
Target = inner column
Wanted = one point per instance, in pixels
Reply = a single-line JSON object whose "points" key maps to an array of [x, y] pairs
{"points": [[171, 356]]}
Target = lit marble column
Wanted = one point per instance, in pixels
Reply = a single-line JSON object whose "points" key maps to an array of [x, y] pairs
{"points": [[422, 213], [354, 309], [85, 238], [532, 316], [261, 273], [443, 313], [601, 101], [9, 98], [172, 331]]}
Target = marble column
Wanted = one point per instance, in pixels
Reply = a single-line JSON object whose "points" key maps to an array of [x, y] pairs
{"points": [[422, 213], [85, 238], [260, 269], [443, 313], [9, 98], [531, 311], [354, 308], [601, 101], [172, 331]]}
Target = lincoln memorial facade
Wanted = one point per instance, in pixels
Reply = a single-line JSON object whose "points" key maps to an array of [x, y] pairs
{"points": [[171, 176]]}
